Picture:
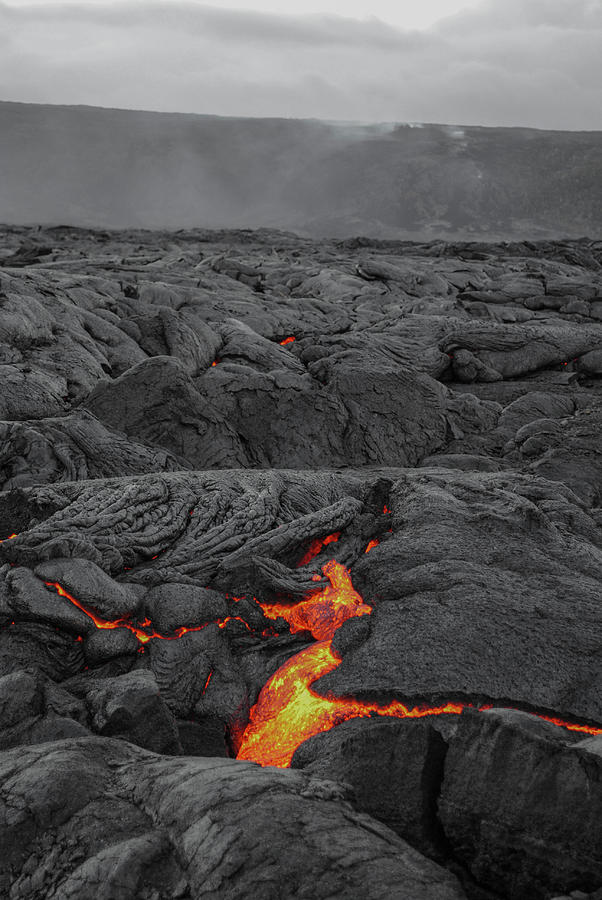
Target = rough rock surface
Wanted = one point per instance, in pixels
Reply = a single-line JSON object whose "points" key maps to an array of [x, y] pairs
{"points": [[521, 806], [97, 817], [394, 768], [194, 424]]}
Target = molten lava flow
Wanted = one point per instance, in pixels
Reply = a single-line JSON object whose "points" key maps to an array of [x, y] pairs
{"points": [[287, 340], [570, 726], [138, 630], [316, 547], [9, 538], [323, 612], [288, 712], [373, 543]]}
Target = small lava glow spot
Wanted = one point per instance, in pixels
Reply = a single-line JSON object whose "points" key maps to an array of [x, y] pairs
{"points": [[207, 682], [287, 340], [317, 546]]}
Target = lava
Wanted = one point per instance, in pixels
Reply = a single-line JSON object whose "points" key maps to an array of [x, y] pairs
{"points": [[138, 630], [288, 712], [207, 681], [373, 543], [287, 340], [316, 547], [9, 538], [323, 612]]}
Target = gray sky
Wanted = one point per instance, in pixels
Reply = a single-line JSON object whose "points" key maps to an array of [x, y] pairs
{"points": [[487, 62]]}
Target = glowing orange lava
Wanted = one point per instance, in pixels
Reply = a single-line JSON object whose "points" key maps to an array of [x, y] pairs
{"points": [[570, 726], [373, 543], [288, 712], [287, 340], [9, 538], [138, 630], [323, 612], [316, 547]]}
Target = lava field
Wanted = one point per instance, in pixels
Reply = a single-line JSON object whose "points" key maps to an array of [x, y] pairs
{"points": [[301, 558]]}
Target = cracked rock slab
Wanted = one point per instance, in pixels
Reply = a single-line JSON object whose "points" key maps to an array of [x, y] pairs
{"points": [[521, 806], [121, 821]]}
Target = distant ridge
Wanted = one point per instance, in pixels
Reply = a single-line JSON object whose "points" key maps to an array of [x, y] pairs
{"points": [[99, 167]]}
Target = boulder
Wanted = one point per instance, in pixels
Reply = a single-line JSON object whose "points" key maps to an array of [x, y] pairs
{"points": [[521, 805], [394, 768]]}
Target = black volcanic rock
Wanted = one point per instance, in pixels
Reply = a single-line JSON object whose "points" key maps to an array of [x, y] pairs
{"points": [[394, 768], [77, 446], [92, 587], [173, 606], [521, 806], [34, 710], [482, 590], [156, 403], [130, 706], [121, 822], [194, 424]]}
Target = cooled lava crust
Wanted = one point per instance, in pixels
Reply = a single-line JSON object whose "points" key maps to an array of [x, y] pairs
{"points": [[301, 567]]}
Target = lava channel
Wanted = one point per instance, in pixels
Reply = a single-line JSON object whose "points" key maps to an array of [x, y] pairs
{"points": [[288, 712]]}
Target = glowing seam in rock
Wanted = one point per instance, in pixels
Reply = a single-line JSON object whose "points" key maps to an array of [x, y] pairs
{"points": [[138, 632], [288, 712], [209, 676], [316, 547]]}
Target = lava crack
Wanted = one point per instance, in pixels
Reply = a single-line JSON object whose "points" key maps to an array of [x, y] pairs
{"points": [[139, 630], [288, 712]]}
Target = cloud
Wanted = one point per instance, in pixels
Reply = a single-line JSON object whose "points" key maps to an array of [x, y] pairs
{"points": [[177, 16], [516, 15], [507, 62]]}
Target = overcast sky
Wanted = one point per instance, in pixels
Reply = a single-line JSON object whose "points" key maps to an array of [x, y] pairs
{"points": [[487, 62]]}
